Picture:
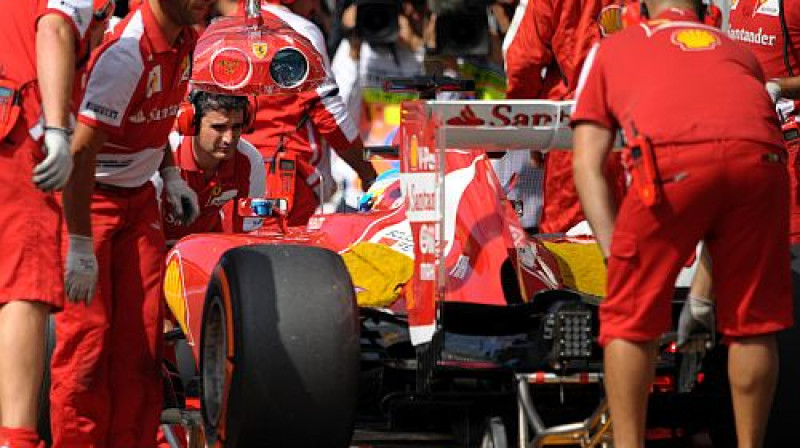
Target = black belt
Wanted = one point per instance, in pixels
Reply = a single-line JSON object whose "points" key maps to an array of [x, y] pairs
{"points": [[114, 189]]}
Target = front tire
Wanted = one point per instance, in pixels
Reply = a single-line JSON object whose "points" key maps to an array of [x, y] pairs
{"points": [[280, 349]]}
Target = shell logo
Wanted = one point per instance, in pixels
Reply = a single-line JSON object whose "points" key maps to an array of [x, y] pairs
{"points": [[413, 149], [610, 20], [695, 39]]}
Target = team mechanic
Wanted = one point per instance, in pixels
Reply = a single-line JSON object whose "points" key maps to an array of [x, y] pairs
{"points": [[106, 364], [298, 123], [215, 162], [553, 37], [708, 163], [45, 42], [770, 31]]}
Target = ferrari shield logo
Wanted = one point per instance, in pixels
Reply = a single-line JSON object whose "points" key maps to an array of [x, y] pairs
{"points": [[260, 49]]}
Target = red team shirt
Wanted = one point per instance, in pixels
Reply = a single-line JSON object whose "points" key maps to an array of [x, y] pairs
{"points": [[240, 177], [138, 111], [617, 68]]}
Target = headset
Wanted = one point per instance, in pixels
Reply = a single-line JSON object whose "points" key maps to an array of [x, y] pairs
{"points": [[188, 120], [635, 12]]}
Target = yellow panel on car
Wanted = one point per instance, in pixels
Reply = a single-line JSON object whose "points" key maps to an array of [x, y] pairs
{"points": [[581, 264]]}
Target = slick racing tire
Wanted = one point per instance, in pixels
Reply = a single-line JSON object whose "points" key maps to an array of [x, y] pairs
{"points": [[279, 359]]}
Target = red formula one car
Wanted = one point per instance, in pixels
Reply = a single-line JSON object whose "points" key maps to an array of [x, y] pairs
{"points": [[430, 315]]}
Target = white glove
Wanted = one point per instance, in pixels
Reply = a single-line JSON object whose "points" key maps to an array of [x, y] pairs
{"points": [[181, 198], [80, 278], [698, 316], [53, 172], [774, 91]]}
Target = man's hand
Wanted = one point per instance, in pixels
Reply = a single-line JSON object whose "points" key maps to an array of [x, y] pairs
{"points": [[698, 317], [53, 172], [181, 198], [80, 277], [367, 176], [774, 90]]}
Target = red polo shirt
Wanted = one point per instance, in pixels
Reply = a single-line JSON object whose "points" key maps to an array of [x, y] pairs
{"points": [[240, 177], [685, 61], [136, 106], [756, 25]]}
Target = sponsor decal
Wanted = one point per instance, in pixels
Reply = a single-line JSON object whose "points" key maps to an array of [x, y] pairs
{"points": [[504, 115], [427, 272], [316, 222], [164, 113], [695, 39], [260, 49], [461, 268], [219, 197], [137, 118], [157, 114], [427, 239], [526, 256], [154, 81], [467, 117], [186, 68], [231, 68], [102, 110], [421, 196], [610, 19], [758, 37], [420, 158], [767, 7], [398, 237]]}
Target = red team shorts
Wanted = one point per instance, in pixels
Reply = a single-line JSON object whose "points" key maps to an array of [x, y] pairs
{"points": [[31, 266], [734, 195]]}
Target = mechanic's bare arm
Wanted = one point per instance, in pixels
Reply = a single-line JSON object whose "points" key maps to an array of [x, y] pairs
{"points": [[168, 160], [592, 144], [86, 142], [354, 156], [55, 62], [790, 87]]}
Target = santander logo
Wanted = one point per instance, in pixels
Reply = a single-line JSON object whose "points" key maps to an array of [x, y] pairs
{"points": [[504, 115], [466, 118]]}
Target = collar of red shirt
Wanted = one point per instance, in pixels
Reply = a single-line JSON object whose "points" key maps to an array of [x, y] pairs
{"points": [[187, 161], [678, 15], [155, 35]]}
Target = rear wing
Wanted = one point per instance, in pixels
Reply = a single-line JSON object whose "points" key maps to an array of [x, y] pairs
{"points": [[503, 125], [428, 128]]}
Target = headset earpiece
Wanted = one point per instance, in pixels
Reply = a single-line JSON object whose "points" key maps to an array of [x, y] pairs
{"points": [[186, 119]]}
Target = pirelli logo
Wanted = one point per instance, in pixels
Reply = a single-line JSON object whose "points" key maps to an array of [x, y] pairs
{"points": [[102, 110]]}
